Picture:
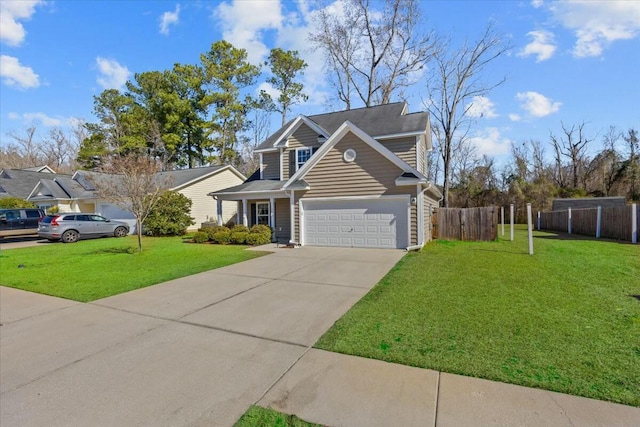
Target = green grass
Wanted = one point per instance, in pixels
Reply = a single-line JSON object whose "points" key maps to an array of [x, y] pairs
{"points": [[564, 319], [264, 417], [94, 269]]}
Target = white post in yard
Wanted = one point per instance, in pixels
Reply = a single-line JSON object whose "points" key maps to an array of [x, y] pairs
{"points": [[219, 211], [569, 222], [244, 212], [538, 220], [530, 228], [272, 213], [634, 223], [599, 222], [502, 214], [511, 219]]}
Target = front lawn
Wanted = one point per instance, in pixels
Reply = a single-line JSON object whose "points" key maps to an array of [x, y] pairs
{"points": [[94, 269], [266, 417], [566, 319]]}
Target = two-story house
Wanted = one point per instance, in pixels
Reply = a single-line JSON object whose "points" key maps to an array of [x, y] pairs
{"points": [[353, 178]]}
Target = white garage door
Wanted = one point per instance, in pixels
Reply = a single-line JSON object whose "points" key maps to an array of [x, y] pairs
{"points": [[362, 223]]}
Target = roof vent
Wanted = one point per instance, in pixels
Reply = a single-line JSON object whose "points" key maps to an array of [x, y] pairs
{"points": [[322, 139]]}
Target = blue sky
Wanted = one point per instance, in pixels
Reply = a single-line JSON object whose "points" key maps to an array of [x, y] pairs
{"points": [[572, 61]]}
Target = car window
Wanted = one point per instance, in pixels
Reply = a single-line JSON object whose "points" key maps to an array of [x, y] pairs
{"points": [[82, 218], [98, 218], [48, 219], [33, 214], [9, 215], [68, 218]]}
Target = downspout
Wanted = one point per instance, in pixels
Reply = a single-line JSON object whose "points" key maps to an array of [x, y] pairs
{"points": [[418, 247]]}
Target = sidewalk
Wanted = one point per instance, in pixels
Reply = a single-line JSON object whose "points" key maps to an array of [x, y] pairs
{"points": [[339, 390]]}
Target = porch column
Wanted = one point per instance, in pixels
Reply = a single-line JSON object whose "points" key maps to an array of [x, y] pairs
{"points": [[244, 212], [272, 214], [219, 203], [292, 207]]}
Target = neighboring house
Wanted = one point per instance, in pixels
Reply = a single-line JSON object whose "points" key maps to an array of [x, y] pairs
{"points": [[587, 203], [353, 178], [77, 193]]}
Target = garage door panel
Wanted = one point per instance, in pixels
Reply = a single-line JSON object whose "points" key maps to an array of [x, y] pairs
{"points": [[356, 223]]}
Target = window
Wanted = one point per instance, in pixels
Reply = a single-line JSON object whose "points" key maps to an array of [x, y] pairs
{"points": [[98, 218], [302, 155], [262, 213], [33, 213]]}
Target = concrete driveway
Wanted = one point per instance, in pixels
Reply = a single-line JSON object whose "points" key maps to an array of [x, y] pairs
{"points": [[193, 351]]}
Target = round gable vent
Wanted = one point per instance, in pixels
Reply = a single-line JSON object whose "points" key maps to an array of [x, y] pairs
{"points": [[349, 155]]}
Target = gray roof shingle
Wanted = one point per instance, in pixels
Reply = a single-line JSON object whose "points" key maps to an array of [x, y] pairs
{"points": [[376, 121]]}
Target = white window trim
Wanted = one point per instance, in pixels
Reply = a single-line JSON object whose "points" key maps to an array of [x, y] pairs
{"points": [[268, 214], [310, 149]]}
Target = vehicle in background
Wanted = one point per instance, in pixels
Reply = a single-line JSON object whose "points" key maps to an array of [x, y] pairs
{"points": [[19, 221], [71, 227]]}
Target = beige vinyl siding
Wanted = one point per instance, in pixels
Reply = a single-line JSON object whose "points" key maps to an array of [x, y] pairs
{"points": [[304, 136], [428, 203], [204, 207], [89, 207], [271, 165], [405, 148], [371, 174], [282, 229]]}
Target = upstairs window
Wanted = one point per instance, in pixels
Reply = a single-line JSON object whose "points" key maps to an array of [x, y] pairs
{"points": [[302, 155]]}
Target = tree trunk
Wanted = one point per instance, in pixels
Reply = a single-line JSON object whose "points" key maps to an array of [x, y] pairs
{"points": [[139, 227]]}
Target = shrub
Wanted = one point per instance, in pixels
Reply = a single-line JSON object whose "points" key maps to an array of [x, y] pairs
{"points": [[255, 239], [240, 228], [238, 237], [263, 230], [211, 230], [53, 210], [15, 202], [222, 237], [200, 237], [169, 216]]}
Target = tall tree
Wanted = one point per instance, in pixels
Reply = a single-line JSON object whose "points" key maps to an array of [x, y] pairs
{"points": [[573, 146], [372, 54], [633, 167], [454, 82], [226, 73], [285, 66]]}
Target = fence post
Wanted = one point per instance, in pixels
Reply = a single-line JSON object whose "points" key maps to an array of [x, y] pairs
{"points": [[634, 223], [530, 228], [511, 219], [538, 220], [502, 213], [569, 222], [599, 222]]}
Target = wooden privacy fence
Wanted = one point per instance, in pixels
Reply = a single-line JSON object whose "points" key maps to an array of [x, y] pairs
{"points": [[466, 224], [619, 223]]}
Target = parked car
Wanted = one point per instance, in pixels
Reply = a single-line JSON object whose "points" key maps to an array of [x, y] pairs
{"points": [[72, 227], [19, 221]]}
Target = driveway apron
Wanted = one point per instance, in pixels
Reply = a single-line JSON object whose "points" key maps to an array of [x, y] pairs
{"points": [[193, 351]]}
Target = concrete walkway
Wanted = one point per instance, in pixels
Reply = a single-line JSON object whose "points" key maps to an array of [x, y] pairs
{"points": [[201, 349]]}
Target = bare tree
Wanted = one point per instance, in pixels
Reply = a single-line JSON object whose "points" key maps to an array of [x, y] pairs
{"points": [[633, 167], [572, 146], [259, 129], [133, 183], [58, 150], [454, 82], [372, 54], [26, 147]]}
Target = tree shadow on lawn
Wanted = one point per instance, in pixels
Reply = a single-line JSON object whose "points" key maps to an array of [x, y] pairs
{"points": [[114, 251]]}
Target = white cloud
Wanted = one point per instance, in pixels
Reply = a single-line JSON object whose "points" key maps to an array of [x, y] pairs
{"points": [[15, 74], [536, 104], [514, 117], [244, 22], [169, 18], [112, 74], [537, 3], [11, 12], [481, 106], [41, 118], [542, 45], [597, 24], [488, 141]]}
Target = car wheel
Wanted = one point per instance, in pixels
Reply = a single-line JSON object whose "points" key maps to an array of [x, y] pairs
{"points": [[120, 232], [70, 236]]}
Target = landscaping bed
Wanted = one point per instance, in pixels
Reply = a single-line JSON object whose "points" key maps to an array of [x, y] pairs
{"points": [[566, 319]]}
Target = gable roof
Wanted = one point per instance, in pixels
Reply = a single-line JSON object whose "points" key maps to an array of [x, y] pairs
{"points": [[380, 121], [336, 138], [183, 177], [20, 182]]}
